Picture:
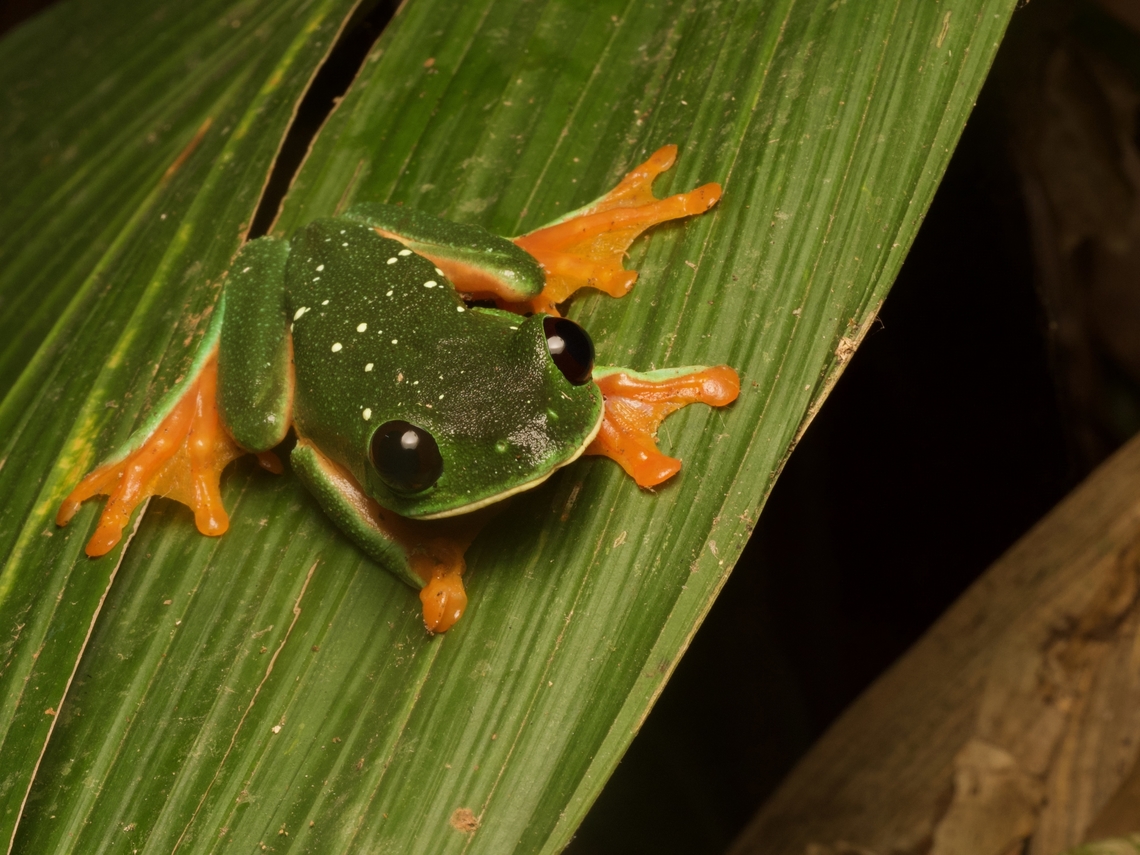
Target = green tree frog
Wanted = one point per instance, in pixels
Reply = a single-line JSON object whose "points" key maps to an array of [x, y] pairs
{"points": [[414, 409]]}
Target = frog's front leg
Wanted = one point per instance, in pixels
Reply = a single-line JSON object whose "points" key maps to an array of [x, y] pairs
{"points": [[427, 554], [205, 422], [637, 402]]}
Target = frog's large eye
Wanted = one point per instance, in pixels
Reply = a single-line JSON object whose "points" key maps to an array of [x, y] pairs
{"points": [[571, 349], [407, 457]]}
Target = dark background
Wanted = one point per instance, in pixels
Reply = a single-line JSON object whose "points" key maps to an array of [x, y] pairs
{"points": [[1001, 371], [1004, 368]]}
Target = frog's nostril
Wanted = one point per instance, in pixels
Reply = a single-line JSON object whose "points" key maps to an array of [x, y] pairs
{"points": [[571, 349], [406, 456]]}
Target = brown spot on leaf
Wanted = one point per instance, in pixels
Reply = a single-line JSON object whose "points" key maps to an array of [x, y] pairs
{"points": [[464, 820], [846, 348]]}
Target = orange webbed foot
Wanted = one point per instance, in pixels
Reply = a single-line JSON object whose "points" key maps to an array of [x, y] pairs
{"points": [[182, 458], [586, 248], [636, 404], [437, 550]]}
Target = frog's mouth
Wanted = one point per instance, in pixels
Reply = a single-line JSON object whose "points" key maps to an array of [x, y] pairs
{"points": [[521, 488]]}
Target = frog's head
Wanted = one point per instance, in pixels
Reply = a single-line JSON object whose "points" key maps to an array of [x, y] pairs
{"points": [[511, 400]]}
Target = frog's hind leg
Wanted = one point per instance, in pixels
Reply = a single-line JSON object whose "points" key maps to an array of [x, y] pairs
{"points": [[427, 554], [478, 263], [182, 458], [202, 425], [636, 403], [585, 248]]}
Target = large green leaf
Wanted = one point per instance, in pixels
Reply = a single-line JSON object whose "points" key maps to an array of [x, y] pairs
{"points": [[131, 167], [273, 687]]}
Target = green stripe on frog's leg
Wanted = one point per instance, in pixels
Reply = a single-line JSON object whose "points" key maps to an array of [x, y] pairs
{"points": [[255, 383], [659, 375], [476, 261]]}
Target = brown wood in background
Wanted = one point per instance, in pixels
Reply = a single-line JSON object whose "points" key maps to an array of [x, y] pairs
{"points": [[1012, 726]]}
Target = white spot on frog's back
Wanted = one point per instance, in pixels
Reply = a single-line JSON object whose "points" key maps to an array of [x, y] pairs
{"points": [[460, 309], [361, 327], [440, 272], [393, 260], [431, 283], [367, 413], [404, 252], [299, 312], [324, 302], [395, 341], [320, 267], [336, 348], [369, 366]]}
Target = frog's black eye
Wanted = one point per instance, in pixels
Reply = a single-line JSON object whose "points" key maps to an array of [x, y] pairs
{"points": [[407, 457], [571, 349]]}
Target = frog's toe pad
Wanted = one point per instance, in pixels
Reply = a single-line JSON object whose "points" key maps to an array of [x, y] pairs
{"points": [[444, 601], [637, 403], [182, 458]]}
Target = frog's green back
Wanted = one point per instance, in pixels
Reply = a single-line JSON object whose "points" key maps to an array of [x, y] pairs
{"points": [[380, 335]]}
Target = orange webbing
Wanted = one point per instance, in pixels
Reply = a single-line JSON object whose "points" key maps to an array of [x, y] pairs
{"points": [[635, 408], [587, 250], [183, 459]]}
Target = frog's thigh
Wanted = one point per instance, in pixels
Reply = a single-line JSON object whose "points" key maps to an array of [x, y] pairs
{"points": [[255, 373], [476, 261], [354, 512]]}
